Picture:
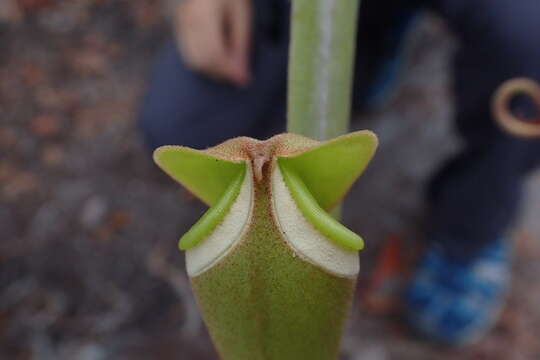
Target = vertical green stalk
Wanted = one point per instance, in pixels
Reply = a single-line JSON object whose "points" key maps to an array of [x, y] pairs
{"points": [[321, 67]]}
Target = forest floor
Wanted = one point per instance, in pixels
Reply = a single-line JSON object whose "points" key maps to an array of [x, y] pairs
{"points": [[89, 268]]}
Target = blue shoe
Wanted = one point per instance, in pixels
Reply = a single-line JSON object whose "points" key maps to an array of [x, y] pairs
{"points": [[455, 303]]}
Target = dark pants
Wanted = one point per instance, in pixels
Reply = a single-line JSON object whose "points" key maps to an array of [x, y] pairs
{"points": [[474, 196]]}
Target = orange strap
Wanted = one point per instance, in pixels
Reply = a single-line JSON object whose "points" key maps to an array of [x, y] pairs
{"points": [[501, 107]]}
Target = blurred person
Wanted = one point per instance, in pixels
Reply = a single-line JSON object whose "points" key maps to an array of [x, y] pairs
{"points": [[225, 76]]}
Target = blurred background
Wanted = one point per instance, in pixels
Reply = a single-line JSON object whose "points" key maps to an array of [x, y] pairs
{"points": [[89, 268]]}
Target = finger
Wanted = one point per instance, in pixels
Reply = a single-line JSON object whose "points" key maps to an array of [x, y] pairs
{"points": [[239, 22], [187, 24], [223, 63], [203, 41]]}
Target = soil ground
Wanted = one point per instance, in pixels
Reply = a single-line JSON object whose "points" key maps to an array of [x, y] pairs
{"points": [[88, 263]]}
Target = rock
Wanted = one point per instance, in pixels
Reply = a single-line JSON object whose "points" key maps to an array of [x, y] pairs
{"points": [[90, 62], [53, 155], [32, 5], [22, 183], [91, 352], [32, 74], [7, 171], [93, 211], [10, 12], [7, 224], [49, 222], [57, 99], [46, 125], [8, 137], [82, 351]]}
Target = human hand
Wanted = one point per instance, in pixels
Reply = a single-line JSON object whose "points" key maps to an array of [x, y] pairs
{"points": [[214, 37]]}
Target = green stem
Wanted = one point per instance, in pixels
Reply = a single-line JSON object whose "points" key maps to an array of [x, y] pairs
{"points": [[321, 67]]}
